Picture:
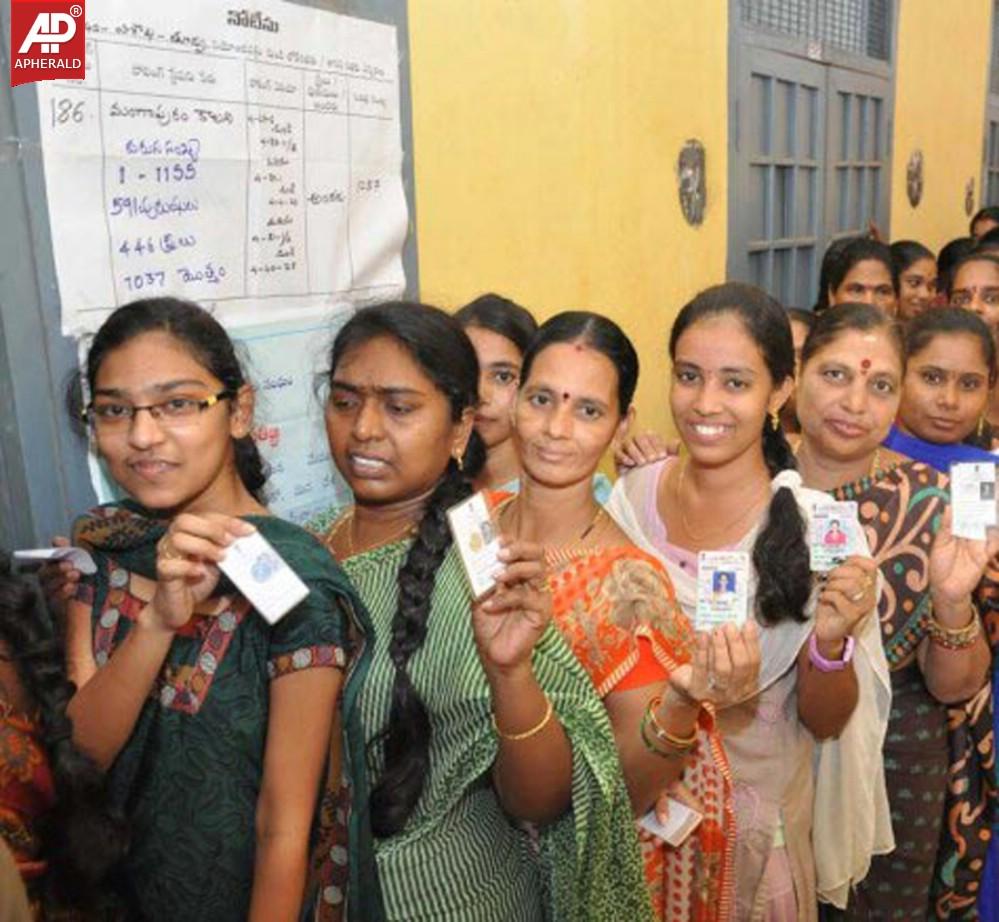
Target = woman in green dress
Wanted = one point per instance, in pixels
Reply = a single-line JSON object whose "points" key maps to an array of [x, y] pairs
{"points": [[213, 723], [496, 794]]}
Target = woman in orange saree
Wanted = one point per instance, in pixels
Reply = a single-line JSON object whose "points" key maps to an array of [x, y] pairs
{"points": [[615, 606], [617, 609]]}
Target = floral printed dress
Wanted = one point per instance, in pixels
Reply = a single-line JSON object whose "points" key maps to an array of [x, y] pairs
{"points": [[616, 608]]}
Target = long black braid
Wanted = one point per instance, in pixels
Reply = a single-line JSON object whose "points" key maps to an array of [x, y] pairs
{"points": [[780, 554], [438, 344]]}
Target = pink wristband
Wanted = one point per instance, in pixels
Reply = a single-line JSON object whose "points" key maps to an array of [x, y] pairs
{"points": [[830, 665]]}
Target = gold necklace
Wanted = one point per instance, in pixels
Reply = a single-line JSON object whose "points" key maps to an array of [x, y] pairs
{"points": [[586, 532], [348, 521], [702, 539], [873, 469], [583, 535]]}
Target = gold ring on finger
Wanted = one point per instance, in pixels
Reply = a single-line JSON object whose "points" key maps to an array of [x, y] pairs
{"points": [[857, 596], [167, 553]]}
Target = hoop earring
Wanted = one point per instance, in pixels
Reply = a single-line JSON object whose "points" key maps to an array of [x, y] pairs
{"points": [[774, 420]]}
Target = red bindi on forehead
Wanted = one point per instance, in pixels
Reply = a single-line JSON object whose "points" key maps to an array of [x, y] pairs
{"points": [[865, 365]]}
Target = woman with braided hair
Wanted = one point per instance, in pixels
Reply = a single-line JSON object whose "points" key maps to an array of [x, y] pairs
{"points": [[805, 744], [477, 718]]}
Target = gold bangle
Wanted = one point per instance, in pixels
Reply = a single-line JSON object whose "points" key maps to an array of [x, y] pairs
{"points": [[955, 638], [671, 750], [684, 743], [527, 734], [670, 753]]}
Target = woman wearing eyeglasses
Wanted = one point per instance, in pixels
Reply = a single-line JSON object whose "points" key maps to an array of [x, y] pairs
{"points": [[213, 724]]}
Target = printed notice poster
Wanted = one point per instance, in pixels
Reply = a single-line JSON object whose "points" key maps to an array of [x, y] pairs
{"points": [[247, 159]]}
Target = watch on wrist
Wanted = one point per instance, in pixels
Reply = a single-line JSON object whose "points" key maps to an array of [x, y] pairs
{"points": [[830, 665]]}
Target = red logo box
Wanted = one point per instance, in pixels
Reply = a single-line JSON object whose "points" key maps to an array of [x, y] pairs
{"points": [[47, 41]]}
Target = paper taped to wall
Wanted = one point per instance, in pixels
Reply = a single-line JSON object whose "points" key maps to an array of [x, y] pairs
{"points": [[247, 160]]}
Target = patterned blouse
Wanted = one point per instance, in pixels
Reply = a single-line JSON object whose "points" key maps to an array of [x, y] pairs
{"points": [[938, 759], [190, 774]]}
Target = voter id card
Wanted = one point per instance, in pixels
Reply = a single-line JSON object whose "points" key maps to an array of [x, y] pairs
{"points": [[834, 533], [477, 539], [972, 498], [262, 576], [722, 589]]}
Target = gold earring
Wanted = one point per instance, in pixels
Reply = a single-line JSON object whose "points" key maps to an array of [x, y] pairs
{"points": [[774, 420], [981, 425], [459, 461]]}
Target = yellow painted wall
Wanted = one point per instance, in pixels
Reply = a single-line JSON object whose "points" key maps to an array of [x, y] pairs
{"points": [[940, 86], [546, 134]]}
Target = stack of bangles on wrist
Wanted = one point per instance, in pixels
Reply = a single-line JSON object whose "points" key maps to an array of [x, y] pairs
{"points": [[662, 742], [955, 638], [527, 734]]}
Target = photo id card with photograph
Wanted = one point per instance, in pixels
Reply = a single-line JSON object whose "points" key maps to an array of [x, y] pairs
{"points": [[834, 533], [477, 539], [972, 499], [722, 589]]}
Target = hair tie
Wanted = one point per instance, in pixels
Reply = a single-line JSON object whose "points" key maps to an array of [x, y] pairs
{"points": [[789, 478]]}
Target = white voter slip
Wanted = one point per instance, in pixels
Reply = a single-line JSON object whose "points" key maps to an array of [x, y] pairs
{"points": [[680, 823], [261, 574], [77, 556], [834, 533]]}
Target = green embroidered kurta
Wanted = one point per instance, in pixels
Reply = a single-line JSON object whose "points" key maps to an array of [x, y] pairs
{"points": [[460, 858], [190, 774]]}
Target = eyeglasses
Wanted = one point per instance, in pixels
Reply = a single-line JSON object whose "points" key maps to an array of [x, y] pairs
{"points": [[107, 414]]}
